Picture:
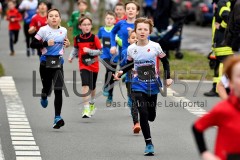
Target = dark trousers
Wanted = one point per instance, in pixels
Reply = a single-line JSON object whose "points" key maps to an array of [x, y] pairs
{"points": [[13, 38], [134, 110], [52, 77], [146, 105], [28, 36], [110, 70]]}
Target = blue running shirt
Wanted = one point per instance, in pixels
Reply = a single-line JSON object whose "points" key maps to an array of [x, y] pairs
{"points": [[58, 35], [147, 58]]}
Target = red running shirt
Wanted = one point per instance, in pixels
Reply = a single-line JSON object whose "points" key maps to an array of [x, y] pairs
{"points": [[16, 16], [38, 21], [90, 41], [226, 116]]}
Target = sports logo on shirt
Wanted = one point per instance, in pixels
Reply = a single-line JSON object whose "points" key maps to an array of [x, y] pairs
{"points": [[135, 51]]}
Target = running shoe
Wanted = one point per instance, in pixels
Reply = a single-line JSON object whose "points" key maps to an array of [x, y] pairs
{"points": [[109, 101], [136, 128], [44, 103], [86, 113], [58, 122], [92, 109], [105, 92], [149, 150]]}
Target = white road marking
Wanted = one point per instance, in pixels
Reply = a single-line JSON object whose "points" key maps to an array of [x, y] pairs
{"points": [[196, 110], [1, 152], [20, 130]]}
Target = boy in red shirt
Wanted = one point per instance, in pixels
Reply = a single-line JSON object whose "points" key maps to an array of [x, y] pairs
{"points": [[39, 20], [120, 12], [14, 17]]}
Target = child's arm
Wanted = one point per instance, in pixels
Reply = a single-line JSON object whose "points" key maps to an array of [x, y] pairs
{"points": [[166, 68], [73, 54], [114, 31], [94, 52], [119, 41], [32, 25], [70, 22], [222, 90]]}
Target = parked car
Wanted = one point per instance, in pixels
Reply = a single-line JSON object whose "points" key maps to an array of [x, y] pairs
{"points": [[198, 11], [204, 12]]}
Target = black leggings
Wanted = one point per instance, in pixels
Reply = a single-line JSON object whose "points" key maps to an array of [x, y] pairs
{"points": [[146, 105], [27, 35], [48, 77], [13, 38], [134, 110], [110, 69]]}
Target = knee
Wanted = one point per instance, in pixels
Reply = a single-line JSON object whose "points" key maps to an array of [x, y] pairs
{"points": [[151, 119], [58, 92]]}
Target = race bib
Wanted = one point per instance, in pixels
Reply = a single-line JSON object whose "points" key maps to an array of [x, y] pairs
{"points": [[106, 42], [146, 73], [53, 61], [87, 59]]}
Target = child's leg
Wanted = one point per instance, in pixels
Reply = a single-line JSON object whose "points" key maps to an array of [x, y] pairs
{"points": [[152, 107], [16, 33], [140, 100], [58, 84], [11, 40], [86, 92], [46, 77], [134, 110]]}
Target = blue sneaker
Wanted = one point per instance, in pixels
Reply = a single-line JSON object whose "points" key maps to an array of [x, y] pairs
{"points": [[58, 122], [44, 103], [109, 101], [149, 150], [105, 92]]}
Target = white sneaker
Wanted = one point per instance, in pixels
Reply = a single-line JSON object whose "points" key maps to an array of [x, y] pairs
{"points": [[86, 113], [92, 109]]}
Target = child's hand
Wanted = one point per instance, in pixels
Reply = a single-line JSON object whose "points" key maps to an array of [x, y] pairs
{"points": [[85, 49], [50, 42], [117, 75], [169, 82], [32, 30], [12, 19], [209, 156], [70, 60], [113, 50], [66, 42]]}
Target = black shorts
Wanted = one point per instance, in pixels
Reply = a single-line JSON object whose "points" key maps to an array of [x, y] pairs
{"points": [[89, 78]]}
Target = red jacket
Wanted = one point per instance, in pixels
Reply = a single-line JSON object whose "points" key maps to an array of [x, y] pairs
{"points": [[16, 17], [226, 116]]}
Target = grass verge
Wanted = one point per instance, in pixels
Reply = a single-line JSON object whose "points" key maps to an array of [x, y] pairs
{"points": [[1, 70], [192, 67]]}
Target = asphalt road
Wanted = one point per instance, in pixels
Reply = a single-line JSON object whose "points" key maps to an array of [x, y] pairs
{"points": [[106, 136]]}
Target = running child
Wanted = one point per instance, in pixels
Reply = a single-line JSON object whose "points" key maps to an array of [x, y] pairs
{"points": [[109, 60], [29, 8], [87, 47], [225, 116], [144, 57], [120, 12], [14, 18], [39, 20], [73, 21], [124, 26], [52, 39], [134, 111]]}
